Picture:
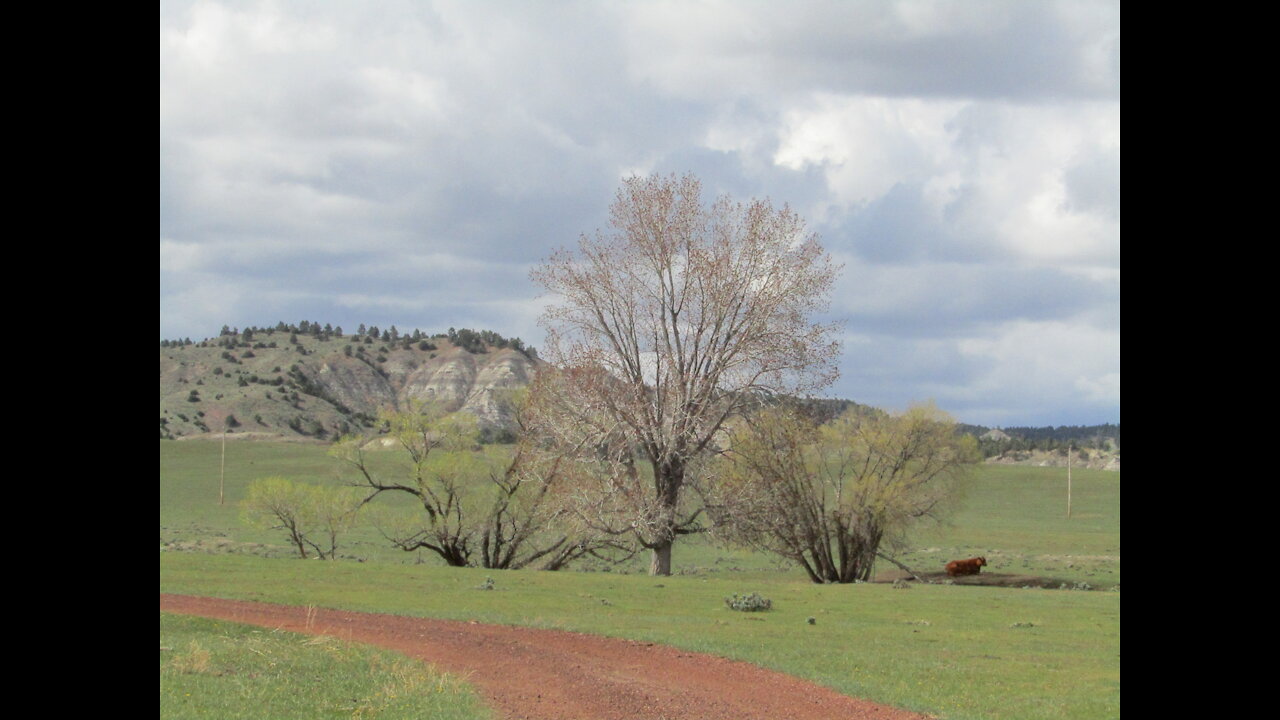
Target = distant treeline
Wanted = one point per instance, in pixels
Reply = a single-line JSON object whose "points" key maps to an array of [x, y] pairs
{"points": [[1084, 437], [473, 341]]}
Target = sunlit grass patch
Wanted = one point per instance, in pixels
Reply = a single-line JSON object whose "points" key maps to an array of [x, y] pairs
{"points": [[213, 669]]}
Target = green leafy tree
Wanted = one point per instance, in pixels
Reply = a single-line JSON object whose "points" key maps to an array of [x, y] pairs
{"points": [[490, 508], [832, 497], [312, 516]]}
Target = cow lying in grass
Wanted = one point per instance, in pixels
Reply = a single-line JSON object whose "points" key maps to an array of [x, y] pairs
{"points": [[972, 566]]}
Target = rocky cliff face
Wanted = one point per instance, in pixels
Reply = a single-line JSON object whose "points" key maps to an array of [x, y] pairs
{"points": [[1087, 459], [322, 389], [477, 387]]}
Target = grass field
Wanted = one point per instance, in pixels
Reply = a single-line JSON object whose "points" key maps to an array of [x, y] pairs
{"points": [[227, 671], [957, 652], [1015, 516]]}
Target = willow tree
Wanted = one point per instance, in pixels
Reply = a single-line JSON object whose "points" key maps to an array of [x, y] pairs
{"points": [[312, 516], [831, 497], [668, 324], [479, 507]]}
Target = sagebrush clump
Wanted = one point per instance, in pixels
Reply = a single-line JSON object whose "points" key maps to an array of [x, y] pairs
{"points": [[755, 602]]}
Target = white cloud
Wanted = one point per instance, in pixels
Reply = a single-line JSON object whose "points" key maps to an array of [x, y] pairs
{"points": [[707, 51], [1052, 363], [353, 163], [866, 145], [993, 174], [178, 257]]}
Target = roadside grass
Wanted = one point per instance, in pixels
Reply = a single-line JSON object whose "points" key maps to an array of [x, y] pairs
{"points": [[956, 652], [214, 669], [1013, 515]]}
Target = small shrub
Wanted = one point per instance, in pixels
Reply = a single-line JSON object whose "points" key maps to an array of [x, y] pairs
{"points": [[754, 602], [486, 585]]}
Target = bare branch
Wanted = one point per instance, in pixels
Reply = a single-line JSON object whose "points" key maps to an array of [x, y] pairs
{"points": [[668, 326]]}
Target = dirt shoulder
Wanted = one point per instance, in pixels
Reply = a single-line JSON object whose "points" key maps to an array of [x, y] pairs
{"points": [[526, 673]]}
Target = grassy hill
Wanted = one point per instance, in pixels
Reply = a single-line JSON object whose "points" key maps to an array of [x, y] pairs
{"points": [[285, 384]]}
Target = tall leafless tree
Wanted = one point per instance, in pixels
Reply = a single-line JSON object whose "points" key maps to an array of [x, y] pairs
{"points": [[667, 325]]}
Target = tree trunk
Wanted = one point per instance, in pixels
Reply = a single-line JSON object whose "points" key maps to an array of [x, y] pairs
{"points": [[660, 563], [297, 540], [668, 477]]}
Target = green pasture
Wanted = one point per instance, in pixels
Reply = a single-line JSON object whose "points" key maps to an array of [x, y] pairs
{"points": [[1014, 516], [949, 650], [953, 651], [212, 669]]}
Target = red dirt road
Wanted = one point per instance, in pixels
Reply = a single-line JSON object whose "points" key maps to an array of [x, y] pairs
{"points": [[525, 673]]}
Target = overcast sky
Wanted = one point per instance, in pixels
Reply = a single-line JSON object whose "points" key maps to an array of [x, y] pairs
{"points": [[407, 163]]}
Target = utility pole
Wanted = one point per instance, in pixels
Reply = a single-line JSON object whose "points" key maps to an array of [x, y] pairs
{"points": [[222, 474], [1070, 450]]}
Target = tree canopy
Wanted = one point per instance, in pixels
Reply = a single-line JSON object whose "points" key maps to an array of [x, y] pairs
{"points": [[831, 496], [674, 320]]}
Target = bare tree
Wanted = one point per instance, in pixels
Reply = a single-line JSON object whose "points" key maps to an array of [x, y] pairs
{"points": [[486, 508], [830, 497], [666, 326]]}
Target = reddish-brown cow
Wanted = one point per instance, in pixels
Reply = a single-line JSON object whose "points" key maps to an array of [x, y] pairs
{"points": [[972, 566]]}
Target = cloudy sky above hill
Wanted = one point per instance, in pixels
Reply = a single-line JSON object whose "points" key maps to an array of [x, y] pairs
{"points": [[407, 163]]}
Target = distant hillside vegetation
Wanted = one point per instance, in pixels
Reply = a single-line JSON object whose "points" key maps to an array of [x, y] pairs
{"points": [[309, 381], [312, 381], [1096, 446]]}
